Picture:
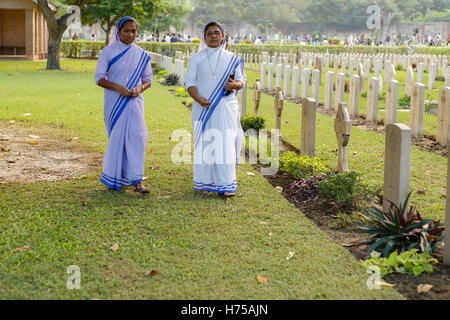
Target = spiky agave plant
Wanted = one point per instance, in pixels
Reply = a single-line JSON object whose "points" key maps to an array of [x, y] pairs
{"points": [[171, 79], [401, 229]]}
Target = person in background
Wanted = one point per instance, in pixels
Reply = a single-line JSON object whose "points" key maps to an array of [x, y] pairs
{"points": [[93, 37]]}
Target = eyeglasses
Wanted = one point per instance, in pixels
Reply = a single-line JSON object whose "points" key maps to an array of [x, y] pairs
{"points": [[216, 33]]}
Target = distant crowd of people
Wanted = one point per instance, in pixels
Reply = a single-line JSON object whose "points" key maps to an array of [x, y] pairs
{"points": [[303, 39]]}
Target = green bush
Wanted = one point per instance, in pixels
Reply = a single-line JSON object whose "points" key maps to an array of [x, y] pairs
{"points": [[252, 122], [181, 92], [162, 73], [156, 69], [347, 190], [301, 167], [407, 262], [404, 101]]}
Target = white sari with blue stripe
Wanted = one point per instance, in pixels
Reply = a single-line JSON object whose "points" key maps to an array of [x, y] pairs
{"points": [[217, 130], [128, 65]]}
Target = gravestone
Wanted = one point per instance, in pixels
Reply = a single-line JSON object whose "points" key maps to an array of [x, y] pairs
{"points": [[308, 136], [391, 102], [328, 100], [360, 73], [420, 70], [396, 164], [372, 100], [270, 77], [343, 129], [392, 73], [340, 89], [409, 81], [447, 77], [305, 83], [278, 76], [295, 82], [256, 96], [287, 80], [431, 76], [315, 90], [263, 76], [442, 128], [354, 97], [278, 105], [417, 110]]}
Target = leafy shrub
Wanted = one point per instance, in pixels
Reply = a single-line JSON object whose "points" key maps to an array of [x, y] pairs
{"points": [[344, 188], [382, 96], [252, 122], [406, 262], [301, 167], [162, 73], [364, 94], [181, 92], [399, 67], [401, 229], [440, 78], [404, 101], [196, 40], [156, 69]]}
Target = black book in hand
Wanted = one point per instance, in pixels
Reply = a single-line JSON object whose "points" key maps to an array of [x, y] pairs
{"points": [[230, 91]]}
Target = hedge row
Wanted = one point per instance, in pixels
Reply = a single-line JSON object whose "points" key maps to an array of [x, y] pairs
{"points": [[91, 48]]}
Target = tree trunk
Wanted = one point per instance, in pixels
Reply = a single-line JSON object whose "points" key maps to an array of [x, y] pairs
{"points": [[54, 46]]}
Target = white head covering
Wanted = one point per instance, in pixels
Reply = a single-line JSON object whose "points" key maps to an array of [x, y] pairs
{"points": [[203, 44]]}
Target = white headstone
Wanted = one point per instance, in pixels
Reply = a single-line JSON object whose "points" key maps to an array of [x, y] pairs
{"points": [[308, 135], [315, 90], [447, 77], [295, 82], [420, 70], [391, 102], [355, 93], [417, 109], [442, 128], [263, 76], [372, 100], [328, 100], [431, 76], [396, 164], [278, 76], [305, 83], [340, 89], [409, 81], [287, 80], [270, 77]]}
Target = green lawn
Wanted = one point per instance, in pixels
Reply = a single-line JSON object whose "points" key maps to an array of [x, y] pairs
{"points": [[203, 248], [428, 170]]}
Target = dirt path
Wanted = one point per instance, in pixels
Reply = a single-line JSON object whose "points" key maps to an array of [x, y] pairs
{"points": [[30, 154]]}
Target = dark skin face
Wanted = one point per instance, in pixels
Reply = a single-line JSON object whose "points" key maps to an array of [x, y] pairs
{"points": [[128, 33], [213, 36]]}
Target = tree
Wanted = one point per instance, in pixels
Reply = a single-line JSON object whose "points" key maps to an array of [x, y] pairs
{"points": [[109, 12], [171, 15], [56, 25]]}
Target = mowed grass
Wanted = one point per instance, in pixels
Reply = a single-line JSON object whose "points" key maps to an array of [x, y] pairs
{"points": [[428, 170], [202, 248]]}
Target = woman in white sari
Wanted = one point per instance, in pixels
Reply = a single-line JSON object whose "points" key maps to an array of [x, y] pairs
{"points": [[213, 77]]}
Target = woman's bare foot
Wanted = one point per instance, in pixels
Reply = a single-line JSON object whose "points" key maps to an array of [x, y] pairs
{"points": [[229, 194]]}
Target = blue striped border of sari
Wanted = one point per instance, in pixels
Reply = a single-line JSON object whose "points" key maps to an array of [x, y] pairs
{"points": [[117, 184], [117, 58], [121, 107], [216, 188]]}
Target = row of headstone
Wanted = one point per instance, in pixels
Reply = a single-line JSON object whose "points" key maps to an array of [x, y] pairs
{"points": [[167, 63]]}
